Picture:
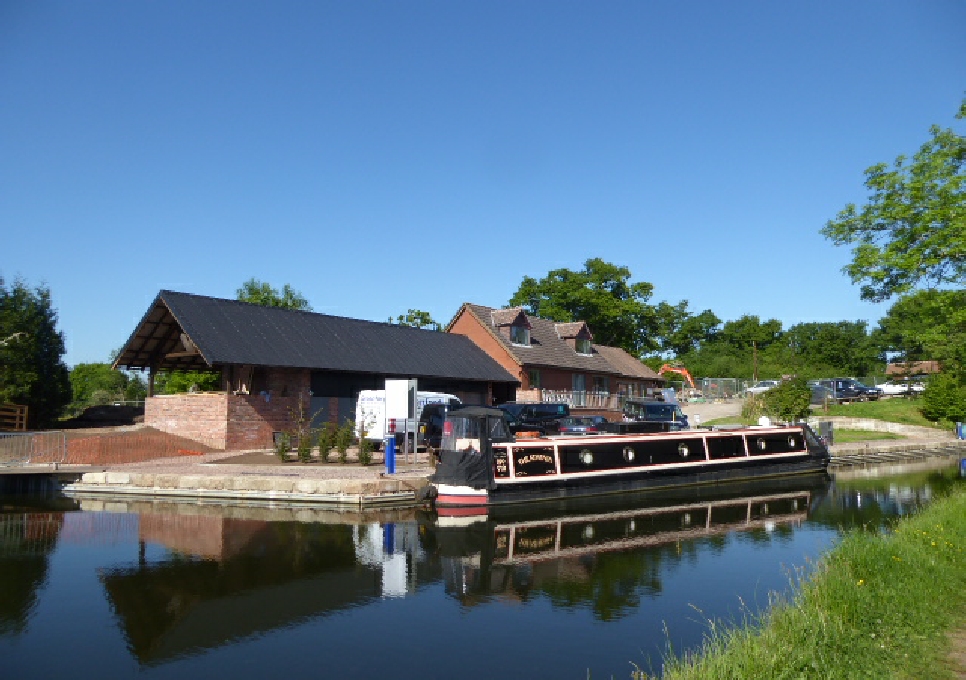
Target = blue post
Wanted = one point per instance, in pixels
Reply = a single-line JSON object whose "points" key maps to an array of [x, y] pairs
{"points": [[391, 454], [960, 431]]}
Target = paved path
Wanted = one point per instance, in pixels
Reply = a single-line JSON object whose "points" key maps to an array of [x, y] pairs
{"points": [[698, 412]]}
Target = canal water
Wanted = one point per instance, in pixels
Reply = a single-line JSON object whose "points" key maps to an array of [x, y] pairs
{"points": [[90, 588]]}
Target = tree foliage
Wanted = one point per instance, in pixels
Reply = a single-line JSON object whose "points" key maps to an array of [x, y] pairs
{"points": [[261, 293], [945, 399], [927, 325], [417, 318], [812, 350], [600, 294], [98, 384], [175, 382], [912, 231], [679, 331], [32, 371], [789, 401]]}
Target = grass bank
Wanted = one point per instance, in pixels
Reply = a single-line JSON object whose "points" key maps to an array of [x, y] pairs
{"points": [[876, 606], [896, 410]]}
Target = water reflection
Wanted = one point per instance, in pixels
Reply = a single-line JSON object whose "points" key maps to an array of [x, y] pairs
{"points": [[230, 577], [181, 580], [609, 555]]}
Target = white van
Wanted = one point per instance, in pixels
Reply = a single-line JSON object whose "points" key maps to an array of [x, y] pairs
{"points": [[371, 413]]}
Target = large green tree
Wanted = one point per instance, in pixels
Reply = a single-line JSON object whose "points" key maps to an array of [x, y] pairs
{"points": [[601, 294], [32, 370], [679, 331], [823, 349], [261, 293], [911, 233]]}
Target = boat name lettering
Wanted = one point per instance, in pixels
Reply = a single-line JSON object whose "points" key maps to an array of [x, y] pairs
{"points": [[535, 543], [535, 458]]}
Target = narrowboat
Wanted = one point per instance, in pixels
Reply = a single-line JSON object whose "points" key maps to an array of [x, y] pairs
{"points": [[481, 464]]}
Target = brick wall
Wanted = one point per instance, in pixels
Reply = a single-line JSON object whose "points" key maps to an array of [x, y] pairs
{"points": [[198, 417], [233, 421]]}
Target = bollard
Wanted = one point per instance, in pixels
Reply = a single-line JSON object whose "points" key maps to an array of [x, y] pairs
{"points": [[391, 454]]}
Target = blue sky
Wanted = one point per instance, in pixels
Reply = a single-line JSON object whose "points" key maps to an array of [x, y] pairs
{"points": [[381, 156]]}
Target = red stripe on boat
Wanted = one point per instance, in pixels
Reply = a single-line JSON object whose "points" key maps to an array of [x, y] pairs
{"points": [[457, 499]]}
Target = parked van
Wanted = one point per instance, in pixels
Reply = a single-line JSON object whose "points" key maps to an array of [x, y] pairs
{"points": [[371, 413]]}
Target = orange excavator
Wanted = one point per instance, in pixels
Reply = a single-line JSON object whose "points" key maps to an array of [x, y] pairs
{"points": [[668, 368]]}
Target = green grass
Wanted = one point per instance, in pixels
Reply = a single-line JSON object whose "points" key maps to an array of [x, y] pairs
{"points": [[844, 436], [897, 410], [879, 605]]}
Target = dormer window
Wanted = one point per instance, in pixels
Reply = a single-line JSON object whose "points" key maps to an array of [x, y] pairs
{"points": [[520, 335], [582, 345]]}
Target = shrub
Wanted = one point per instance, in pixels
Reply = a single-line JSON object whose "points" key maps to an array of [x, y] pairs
{"points": [[366, 447], [753, 408], [944, 399], [326, 441], [304, 447], [283, 445], [343, 439], [788, 401]]}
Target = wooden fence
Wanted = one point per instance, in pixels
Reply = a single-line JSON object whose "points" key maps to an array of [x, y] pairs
{"points": [[13, 417]]}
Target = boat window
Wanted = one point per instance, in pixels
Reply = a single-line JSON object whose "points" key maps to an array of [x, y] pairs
{"points": [[499, 432], [461, 434]]}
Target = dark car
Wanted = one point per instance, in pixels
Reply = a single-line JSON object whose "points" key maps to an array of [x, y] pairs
{"points": [[581, 425], [821, 394], [543, 417], [849, 389], [659, 416], [431, 424]]}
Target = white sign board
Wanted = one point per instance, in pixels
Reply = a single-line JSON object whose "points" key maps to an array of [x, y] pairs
{"points": [[397, 399]]}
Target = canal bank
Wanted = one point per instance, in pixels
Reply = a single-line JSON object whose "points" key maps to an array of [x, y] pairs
{"points": [[880, 604], [259, 476]]}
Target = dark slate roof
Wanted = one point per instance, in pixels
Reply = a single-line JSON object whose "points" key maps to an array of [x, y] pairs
{"points": [[221, 332], [548, 349]]}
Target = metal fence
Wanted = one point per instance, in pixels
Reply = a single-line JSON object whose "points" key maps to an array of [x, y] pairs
{"points": [[600, 400], [32, 448], [720, 388]]}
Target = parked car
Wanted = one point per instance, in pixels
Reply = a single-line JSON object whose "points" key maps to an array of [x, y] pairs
{"points": [[662, 414], [581, 425], [850, 389], [821, 394], [762, 386], [542, 417], [901, 387], [431, 424]]}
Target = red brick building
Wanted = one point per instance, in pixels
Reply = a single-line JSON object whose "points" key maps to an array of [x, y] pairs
{"points": [[556, 361], [273, 361]]}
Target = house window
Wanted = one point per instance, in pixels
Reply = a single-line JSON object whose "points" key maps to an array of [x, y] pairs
{"points": [[583, 346], [600, 384], [520, 335], [534, 378]]}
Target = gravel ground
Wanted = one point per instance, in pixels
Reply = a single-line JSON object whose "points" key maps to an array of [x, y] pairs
{"points": [[710, 410]]}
